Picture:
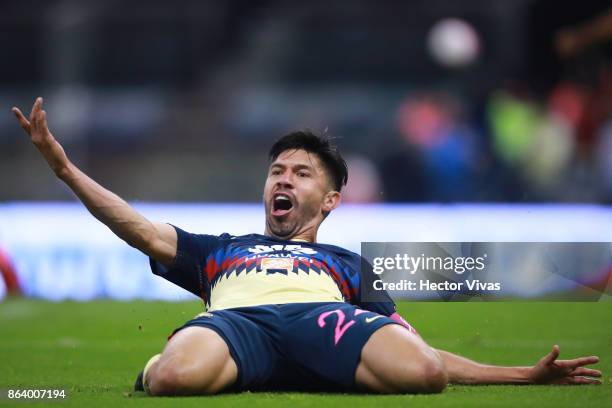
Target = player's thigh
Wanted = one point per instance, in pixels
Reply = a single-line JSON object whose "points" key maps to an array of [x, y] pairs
{"points": [[325, 341], [196, 360], [394, 360]]}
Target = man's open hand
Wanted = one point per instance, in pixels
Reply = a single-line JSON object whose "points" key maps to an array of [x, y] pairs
{"points": [[549, 370], [36, 127]]}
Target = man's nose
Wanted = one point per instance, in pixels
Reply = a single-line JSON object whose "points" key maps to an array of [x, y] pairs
{"points": [[285, 180]]}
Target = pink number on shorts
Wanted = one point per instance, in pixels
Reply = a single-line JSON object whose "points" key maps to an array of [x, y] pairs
{"points": [[340, 330]]}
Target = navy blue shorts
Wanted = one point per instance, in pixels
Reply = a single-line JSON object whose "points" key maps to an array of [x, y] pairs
{"points": [[295, 346]]}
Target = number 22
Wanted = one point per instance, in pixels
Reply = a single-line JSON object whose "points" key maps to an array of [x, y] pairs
{"points": [[340, 329]]}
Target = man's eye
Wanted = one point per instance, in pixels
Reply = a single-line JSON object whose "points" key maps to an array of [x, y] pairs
{"points": [[303, 174], [275, 172]]}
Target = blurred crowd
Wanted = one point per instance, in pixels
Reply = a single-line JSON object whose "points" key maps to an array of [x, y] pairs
{"points": [[519, 147], [164, 102]]}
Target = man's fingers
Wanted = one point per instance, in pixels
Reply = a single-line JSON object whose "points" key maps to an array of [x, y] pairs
{"points": [[35, 108], [43, 120], [581, 371], [37, 123], [23, 122], [586, 360], [38, 115], [578, 362], [552, 356], [582, 380]]}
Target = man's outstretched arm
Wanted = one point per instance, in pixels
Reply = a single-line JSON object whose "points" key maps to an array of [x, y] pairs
{"points": [[548, 370], [154, 239]]}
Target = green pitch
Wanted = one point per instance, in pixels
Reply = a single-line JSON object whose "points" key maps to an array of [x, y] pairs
{"points": [[94, 350]]}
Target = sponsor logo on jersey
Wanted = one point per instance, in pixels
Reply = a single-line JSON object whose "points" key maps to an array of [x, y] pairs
{"points": [[276, 263]]}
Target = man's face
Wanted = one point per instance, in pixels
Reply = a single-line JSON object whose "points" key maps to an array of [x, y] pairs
{"points": [[296, 194]]}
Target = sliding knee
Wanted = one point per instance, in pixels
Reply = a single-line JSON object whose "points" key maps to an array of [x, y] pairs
{"points": [[434, 377], [172, 379], [428, 375]]}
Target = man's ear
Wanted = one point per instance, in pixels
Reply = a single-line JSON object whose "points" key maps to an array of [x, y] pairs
{"points": [[331, 200]]}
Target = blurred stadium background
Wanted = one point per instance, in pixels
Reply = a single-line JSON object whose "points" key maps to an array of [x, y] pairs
{"points": [[476, 120]]}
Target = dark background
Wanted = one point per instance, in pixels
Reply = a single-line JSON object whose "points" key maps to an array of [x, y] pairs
{"points": [[180, 101]]}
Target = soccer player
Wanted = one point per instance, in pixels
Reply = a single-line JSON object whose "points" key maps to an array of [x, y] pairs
{"points": [[283, 311]]}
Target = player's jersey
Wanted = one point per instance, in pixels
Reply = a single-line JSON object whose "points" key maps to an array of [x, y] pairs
{"points": [[230, 271]]}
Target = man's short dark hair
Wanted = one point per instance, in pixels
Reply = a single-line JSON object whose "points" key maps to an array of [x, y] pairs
{"points": [[322, 146]]}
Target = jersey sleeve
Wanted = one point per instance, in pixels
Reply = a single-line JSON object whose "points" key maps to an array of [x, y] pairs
{"points": [[187, 269]]}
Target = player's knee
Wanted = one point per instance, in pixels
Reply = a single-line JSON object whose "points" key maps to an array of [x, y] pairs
{"points": [[173, 379], [434, 376], [428, 376], [166, 379]]}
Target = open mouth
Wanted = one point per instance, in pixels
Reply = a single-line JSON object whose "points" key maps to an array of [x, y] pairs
{"points": [[281, 205]]}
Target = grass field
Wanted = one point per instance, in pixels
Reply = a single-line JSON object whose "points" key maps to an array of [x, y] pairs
{"points": [[94, 350]]}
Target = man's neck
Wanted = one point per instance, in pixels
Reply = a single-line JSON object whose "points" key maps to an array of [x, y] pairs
{"points": [[306, 235]]}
